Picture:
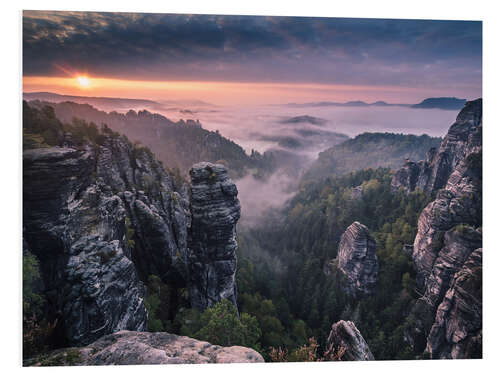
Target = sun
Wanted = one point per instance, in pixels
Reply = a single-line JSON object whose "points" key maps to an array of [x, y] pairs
{"points": [[83, 81]]}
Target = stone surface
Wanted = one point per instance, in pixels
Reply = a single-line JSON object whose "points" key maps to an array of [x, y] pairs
{"points": [[459, 203], [139, 348], [357, 259], [462, 139], [101, 218], [344, 334], [215, 210], [449, 231], [457, 330]]}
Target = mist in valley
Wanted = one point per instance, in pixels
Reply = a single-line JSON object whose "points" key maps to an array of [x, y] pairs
{"points": [[275, 127]]}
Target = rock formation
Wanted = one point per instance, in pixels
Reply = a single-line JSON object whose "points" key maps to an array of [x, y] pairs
{"points": [[457, 330], [137, 348], [345, 335], [357, 259], [462, 139], [449, 231], [103, 217], [215, 209]]}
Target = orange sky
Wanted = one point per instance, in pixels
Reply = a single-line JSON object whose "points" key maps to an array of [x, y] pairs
{"points": [[222, 92]]}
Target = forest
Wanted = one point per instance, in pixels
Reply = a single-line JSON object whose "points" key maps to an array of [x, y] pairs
{"points": [[289, 289]]}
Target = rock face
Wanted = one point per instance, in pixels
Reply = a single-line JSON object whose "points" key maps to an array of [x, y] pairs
{"points": [[457, 330], [345, 335], [102, 218], [463, 138], [449, 232], [357, 259], [215, 210], [136, 348]]}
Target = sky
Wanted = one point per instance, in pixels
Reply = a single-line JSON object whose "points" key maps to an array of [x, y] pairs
{"points": [[250, 59]]}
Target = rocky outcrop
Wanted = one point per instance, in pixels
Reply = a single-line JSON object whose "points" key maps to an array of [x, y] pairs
{"points": [[462, 139], [449, 231], [460, 203], [357, 259], [457, 330], [345, 335], [103, 217], [138, 348], [215, 210]]}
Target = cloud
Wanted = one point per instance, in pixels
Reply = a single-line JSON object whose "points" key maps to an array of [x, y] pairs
{"points": [[257, 49]]}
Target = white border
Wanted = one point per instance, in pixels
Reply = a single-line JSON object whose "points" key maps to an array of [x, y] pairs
{"points": [[11, 187]]}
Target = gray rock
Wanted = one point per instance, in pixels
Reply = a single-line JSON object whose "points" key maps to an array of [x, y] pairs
{"points": [[101, 218], [459, 203], [449, 231], [357, 259], [457, 330], [215, 210], [357, 192], [344, 334], [147, 348], [462, 139]]}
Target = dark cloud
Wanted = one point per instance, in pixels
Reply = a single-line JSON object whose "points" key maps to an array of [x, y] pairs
{"points": [[245, 48]]}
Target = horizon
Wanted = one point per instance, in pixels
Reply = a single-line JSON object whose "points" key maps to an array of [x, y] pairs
{"points": [[235, 60]]}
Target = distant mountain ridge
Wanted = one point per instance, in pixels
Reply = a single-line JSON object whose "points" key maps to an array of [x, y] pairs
{"points": [[445, 103], [117, 103], [441, 103]]}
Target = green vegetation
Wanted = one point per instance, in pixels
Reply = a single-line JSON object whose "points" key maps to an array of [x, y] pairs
{"points": [[220, 325], [41, 128], [177, 144], [36, 329], [370, 150], [69, 357], [302, 283]]}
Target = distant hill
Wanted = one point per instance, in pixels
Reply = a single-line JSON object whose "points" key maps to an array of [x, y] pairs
{"points": [[101, 102], [304, 119], [435, 103], [370, 150], [177, 144], [441, 103]]}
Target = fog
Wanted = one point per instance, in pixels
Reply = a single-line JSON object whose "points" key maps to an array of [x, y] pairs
{"points": [[300, 133], [257, 196], [253, 127], [274, 127]]}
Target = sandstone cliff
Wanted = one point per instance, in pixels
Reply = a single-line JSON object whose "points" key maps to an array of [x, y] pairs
{"points": [[215, 209], [457, 330], [345, 335], [137, 348], [102, 217], [449, 231], [357, 259], [462, 139]]}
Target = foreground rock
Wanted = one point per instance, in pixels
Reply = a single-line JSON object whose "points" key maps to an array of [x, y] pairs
{"points": [[147, 348], [462, 139], [345, 335], [357, 259], [215, 210]]}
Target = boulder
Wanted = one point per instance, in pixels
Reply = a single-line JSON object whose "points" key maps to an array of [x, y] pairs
{"points": [[345, 335], [147, 348]]}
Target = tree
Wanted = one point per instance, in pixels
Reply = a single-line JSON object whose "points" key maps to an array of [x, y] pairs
{"points": [[222, 326]]}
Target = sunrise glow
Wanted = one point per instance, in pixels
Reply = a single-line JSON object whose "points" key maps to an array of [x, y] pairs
{"points": [[83, 81]]}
